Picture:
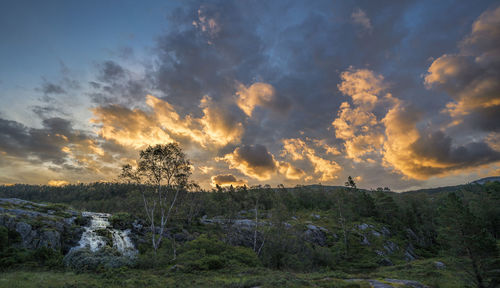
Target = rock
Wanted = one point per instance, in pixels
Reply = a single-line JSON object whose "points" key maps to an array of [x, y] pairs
{"points": [[38, 229], [176, 267], [390, 247], [294, 218], [406, 283], [376, 234], [316, 216], [409, 256], [388, 283], [315, 234], [379, 253], [439, 265], [364, 226], [385, 262], [365, 240], [385, 231]]}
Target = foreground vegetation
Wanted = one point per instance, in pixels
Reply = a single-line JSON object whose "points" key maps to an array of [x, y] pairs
{"points": [[459, 229], [421, 270]]}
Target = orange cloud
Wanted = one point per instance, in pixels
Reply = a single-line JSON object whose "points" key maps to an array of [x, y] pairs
{"points": [[297, 149], [205, 169], [358, 126], [130, 128], [57, 183], [258, 94], [471, 76], [219, 126], [291, 172], [362, 85], [137, 128]]}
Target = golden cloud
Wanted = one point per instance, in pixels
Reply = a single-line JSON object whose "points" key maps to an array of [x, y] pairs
{"points": [[258, 94], [471, 76], [219, 126], [137, 128], [362, 85], [290, 172], [297, 149], [358, 126], [57, 183]]}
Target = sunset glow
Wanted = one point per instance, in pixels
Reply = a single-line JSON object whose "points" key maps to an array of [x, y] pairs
{"points": [[397, 96]]}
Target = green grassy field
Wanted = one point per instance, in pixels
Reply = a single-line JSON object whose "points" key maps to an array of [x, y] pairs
{"points": [[423, 271]]}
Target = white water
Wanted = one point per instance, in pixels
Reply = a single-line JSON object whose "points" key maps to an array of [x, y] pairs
{"points": [[90, 239]]}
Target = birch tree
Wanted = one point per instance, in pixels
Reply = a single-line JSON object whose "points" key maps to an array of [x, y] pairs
{"points": [[165, 171]]}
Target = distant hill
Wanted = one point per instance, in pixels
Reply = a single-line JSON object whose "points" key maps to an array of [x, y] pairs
{"points": [[487, 179], [447, 189]]}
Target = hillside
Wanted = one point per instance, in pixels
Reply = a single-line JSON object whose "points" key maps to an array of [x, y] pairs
{"points": [[304, 236]]}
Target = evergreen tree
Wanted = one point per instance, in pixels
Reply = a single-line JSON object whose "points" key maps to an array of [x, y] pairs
{"points": [[463, 235]]}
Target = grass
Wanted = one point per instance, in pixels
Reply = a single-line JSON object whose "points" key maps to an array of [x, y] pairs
{"points": [[125, 278], [423, 271]]}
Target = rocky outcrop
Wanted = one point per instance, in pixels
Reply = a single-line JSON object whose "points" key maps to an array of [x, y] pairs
{"points": [[40, 225], [316, 234]]}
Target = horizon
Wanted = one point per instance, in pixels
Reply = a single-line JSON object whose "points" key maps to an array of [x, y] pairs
{"points": [[392, 93]]}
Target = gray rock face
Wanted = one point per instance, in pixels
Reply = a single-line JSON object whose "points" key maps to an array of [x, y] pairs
{"points": [[390, 247], [409, 253], [364, 226], [38, 226], [316, 234]]}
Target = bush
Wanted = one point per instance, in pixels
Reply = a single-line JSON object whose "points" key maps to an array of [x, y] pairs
{"points": [[48, 257], [83, 260], [148, 259], [44, 256], [121, 220], [210, 254], [4, 238]]}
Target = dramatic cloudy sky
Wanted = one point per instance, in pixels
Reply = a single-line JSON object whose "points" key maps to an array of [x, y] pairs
{"points": [[404, 94]]}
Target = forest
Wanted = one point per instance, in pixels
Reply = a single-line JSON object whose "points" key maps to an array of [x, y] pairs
{"points": [[459, 229]]}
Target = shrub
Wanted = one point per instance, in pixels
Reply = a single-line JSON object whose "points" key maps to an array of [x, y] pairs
{"points": [[121, 220], [83, 260], [206, 253], [4, 238], [43, 256]]}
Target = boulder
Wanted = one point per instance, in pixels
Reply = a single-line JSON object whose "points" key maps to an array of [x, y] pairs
{"points": [[390, 247], [439, 265], [316, 234]]}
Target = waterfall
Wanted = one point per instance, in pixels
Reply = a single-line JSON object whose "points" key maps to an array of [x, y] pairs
{"points": [[92, 240]]}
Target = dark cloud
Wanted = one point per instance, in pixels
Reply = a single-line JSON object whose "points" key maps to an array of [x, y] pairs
{"points": [[255, 156], [252, 160], [39, 144], [470, 77], [115, 84], [110, 71], [438, 148], [227, 180], [51, 88], [209, 51], [56, 143]]}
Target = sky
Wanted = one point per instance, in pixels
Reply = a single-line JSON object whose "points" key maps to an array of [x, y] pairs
{"points": [[398, 94]]}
